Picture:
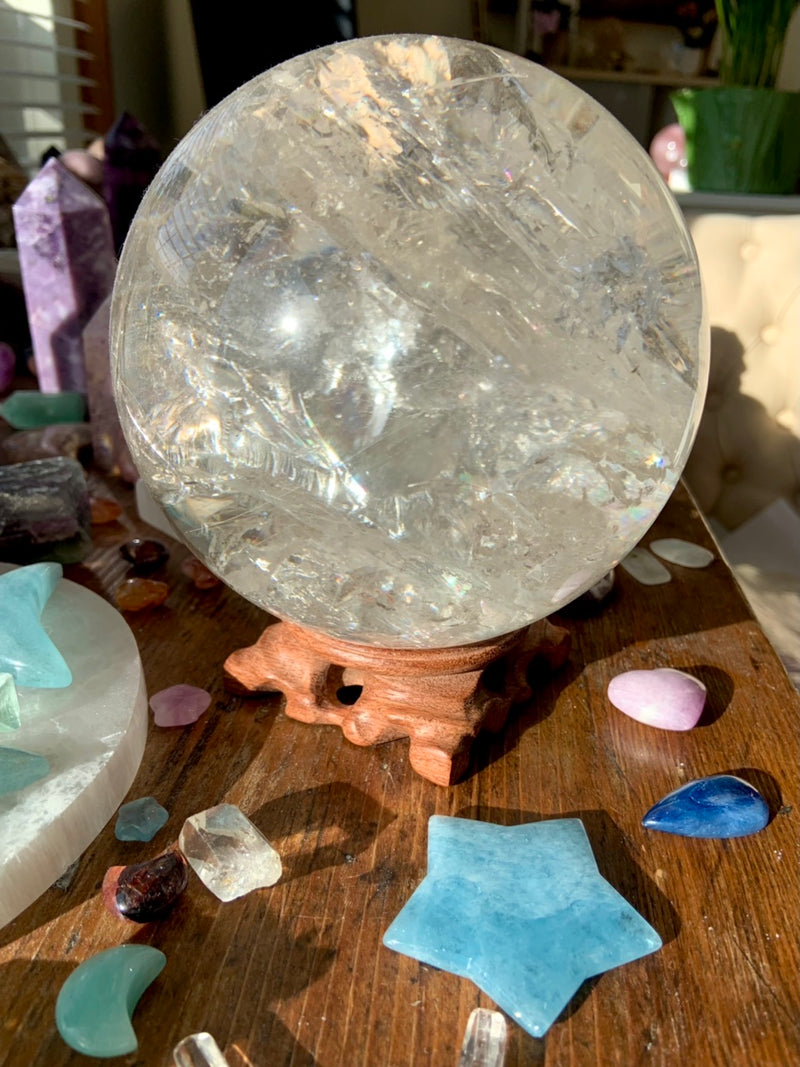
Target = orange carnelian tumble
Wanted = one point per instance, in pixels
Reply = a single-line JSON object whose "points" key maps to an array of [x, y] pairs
{"points": [[137, 593], [104, 510]]}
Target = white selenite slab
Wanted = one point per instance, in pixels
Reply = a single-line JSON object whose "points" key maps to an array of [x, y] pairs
{"points": [[93, 734]]}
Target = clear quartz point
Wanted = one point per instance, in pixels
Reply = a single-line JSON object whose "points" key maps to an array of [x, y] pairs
{"points": [[230, 855], [484, 1040], [198, 1050]]}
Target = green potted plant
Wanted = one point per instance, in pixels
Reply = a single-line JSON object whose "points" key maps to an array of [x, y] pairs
{"points": [[743, 136]]}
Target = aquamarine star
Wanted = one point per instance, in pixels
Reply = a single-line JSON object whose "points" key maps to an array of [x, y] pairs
{"points": [[26, 650], [523, 911]]}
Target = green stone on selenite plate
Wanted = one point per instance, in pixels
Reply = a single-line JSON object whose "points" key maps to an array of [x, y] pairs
{"points": [[96, 1003]]}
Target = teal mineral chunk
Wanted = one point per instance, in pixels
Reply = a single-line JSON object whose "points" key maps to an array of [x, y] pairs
{"points": [[26, 650], [28, 409], [9, 702], [140, 820], [44, 511], [523, 911], [19, 769], [96, 1003]]}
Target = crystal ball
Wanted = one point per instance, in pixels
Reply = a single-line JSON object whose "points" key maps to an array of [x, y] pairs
{"points": [[408, 341]]}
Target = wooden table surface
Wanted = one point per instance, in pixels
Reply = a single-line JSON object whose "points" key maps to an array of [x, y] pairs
{"points": [[297, 974]]}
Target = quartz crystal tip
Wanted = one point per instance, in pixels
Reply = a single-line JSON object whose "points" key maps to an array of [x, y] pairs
{"points": [[198, 1050], [484, 1040], [230, 855]]}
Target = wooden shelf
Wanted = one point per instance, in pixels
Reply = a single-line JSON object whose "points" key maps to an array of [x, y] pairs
{"points": [[635, 77]]}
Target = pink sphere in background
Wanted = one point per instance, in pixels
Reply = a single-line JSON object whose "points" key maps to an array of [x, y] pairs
{"points": [[85, 166], [668, 150]]}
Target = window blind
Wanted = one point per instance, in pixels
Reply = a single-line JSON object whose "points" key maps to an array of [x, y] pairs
{"points": [[54, 76]]}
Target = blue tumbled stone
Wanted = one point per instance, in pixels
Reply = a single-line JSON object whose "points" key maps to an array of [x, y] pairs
{"points": [[140, 820], [719, 806]]}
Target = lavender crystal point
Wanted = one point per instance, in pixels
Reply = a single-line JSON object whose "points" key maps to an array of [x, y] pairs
{"points": [[131, 160], [67, 262], [408, 341]]}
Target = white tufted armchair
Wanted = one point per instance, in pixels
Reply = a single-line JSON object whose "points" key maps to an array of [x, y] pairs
{"points": [[745, 466]]}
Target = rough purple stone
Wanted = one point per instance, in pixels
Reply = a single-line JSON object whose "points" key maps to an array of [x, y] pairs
{"points": [[666, 698], [44, 512], [67, 262], [110, 450], [132, 158]]}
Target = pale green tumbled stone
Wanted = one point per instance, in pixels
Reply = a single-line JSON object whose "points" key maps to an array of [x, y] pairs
{"points": [[29, 409], [96, 1003], [9, 703]]}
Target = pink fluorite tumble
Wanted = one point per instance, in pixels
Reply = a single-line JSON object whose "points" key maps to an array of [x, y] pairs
{"points": [[66, 257], [180, 705], [666, 698]]}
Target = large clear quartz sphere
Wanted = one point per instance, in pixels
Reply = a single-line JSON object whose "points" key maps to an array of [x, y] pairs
{"points": [[408, 340]]}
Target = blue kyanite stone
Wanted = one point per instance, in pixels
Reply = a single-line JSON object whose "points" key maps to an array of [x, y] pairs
{"points": [[19, 769], [719, 806], [521, 910], [97, 1001], [140, 820], [26, 651]]}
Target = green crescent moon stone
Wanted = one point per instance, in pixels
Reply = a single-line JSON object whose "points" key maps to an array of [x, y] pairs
{"points": [[96, 1003]]}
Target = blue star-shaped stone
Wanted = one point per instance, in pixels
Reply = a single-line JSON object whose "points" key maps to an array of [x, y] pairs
{"points": [[26, 651], [521, 910]]}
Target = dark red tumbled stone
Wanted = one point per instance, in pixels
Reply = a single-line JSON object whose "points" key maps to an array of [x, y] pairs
{"points": [[145, 555], [144, 892]]}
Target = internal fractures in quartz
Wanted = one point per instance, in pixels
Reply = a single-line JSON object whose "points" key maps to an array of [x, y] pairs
{"points": [[230, 855], [438, 311]]}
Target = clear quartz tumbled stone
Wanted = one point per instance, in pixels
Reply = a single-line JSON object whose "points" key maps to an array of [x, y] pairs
{"points": [[230, 855], [198, 1050], [408, 341]]}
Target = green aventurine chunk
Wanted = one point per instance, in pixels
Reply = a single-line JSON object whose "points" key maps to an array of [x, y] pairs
{"points": [[97, 1001]]}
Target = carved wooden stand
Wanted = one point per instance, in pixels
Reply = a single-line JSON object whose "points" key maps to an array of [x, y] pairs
{"points": [[439, 698]]}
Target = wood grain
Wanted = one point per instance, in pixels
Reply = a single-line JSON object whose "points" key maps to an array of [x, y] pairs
{"points": [[296, 975]]}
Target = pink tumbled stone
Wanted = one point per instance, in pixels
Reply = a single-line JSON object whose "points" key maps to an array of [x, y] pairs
{"points": [[664, 697], [179, 705]]}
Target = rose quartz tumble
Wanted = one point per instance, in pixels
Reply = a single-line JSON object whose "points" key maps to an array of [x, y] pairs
{"points": [[201, 577], [179, 705], [135, 594], [666, 698]]}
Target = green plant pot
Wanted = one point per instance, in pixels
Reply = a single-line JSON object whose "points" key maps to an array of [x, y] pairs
{"points": [[740, 139]]}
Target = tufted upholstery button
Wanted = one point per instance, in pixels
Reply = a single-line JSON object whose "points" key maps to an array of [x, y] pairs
{"points": [[748, 250], [731, 474], [771, 334]]}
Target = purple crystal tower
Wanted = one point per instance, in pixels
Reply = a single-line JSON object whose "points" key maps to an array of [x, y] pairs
{"points": [[67, 261], [132, 158]]}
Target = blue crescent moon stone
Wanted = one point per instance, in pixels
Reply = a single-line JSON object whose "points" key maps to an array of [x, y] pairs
{"points": [[97, 1001], [719, 806]]}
